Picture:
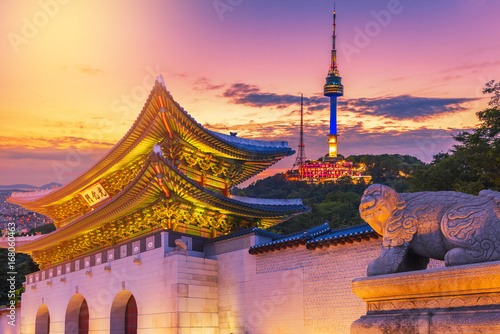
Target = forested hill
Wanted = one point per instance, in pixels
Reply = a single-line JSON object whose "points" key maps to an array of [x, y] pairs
{"points": [[336, 203]]}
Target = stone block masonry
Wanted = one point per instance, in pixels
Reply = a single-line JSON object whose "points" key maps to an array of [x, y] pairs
{"points": [[328, 304], [295, 290]]}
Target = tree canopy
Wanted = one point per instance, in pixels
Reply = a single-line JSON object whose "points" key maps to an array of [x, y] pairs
{"points": [[473, 164], [24, 265]]}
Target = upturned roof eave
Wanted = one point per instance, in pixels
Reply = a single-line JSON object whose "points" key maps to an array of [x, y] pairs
{"points": [[135, 196], [124, 148], [96, 171]]}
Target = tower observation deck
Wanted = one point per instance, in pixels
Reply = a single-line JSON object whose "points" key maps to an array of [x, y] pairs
{"points": [[333, 89]]}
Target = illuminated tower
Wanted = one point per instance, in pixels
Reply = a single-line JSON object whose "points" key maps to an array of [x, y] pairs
{"points": [[333, 89]]}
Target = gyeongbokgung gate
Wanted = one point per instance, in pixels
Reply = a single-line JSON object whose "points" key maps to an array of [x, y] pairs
{"points": [[115, 261]]}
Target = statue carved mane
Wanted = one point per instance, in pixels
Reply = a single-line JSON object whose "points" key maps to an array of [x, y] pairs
{"points": [[402, 223]]}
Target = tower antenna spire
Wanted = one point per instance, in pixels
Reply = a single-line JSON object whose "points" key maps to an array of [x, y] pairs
{"points": [[301, 154], [333, 63]]}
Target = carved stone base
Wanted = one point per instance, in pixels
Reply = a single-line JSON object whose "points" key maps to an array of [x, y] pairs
{"points": [[464, 299]]}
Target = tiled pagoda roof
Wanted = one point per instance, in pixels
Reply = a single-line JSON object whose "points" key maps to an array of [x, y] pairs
{"points": [[341, 236], [317, 237], [161, 118]]}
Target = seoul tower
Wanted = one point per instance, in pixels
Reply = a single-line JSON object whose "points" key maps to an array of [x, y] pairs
{"points": [[333, 89]]}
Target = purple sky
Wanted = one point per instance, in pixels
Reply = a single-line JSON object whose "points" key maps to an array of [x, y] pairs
{"points": [[412, 73]]}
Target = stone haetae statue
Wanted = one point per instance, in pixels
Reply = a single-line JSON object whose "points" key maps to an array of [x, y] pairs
{"points": [[180, 245], [455, 227]]}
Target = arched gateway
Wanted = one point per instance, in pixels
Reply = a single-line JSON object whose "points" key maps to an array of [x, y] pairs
{"points": [[42, 323], [123, 318], [77, 316]]}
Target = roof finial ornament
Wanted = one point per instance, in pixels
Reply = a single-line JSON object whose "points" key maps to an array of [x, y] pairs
{"points": [[159, 78]]}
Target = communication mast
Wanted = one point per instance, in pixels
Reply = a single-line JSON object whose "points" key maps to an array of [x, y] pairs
{"points": [[301, 154]]}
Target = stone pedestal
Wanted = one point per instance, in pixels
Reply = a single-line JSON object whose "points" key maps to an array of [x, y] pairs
{"points": [[464, 299]]}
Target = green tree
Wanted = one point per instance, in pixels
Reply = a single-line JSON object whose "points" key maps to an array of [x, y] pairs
{"points": [[444, 173], [392, 170], [473, 163], [478, 151], [24, 265]]}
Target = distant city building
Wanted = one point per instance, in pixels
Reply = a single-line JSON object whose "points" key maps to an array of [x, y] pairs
{"points": [[331, 167], [22, 218]]}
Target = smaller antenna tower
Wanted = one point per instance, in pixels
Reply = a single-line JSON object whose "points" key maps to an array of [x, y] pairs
{"points": [[301, 154]]}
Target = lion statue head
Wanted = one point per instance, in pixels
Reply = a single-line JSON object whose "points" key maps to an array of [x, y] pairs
{"points": [[383, 208]]}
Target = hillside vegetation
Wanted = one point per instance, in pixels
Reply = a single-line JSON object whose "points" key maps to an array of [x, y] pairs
{"points": [[338, 202], [473, 164]]}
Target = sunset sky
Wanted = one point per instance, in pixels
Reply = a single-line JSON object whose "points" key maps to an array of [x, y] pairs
{"points": [[74, 75]]}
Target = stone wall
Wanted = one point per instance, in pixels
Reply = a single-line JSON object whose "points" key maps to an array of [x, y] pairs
{"points": [[225, 290], [296, 290], [250, 302], [292, 291]]}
